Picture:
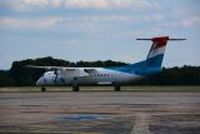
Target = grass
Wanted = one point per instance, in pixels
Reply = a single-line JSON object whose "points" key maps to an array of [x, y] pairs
{"points": [[106, 88]]}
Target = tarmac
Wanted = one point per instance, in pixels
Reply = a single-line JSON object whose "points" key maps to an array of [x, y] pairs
{"points": [[100, 113]]}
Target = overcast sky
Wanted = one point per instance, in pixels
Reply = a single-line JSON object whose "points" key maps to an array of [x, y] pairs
{"points": [[98, 30]]}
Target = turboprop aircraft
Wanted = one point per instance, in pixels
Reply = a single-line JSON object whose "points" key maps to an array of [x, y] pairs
{"points": [[116, 76]]}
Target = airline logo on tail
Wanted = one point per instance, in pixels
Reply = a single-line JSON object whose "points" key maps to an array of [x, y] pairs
{"points": [[158, 46], [156, 53]]}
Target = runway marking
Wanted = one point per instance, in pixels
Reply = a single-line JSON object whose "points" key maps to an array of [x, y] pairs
{"points": [[141, 124]]}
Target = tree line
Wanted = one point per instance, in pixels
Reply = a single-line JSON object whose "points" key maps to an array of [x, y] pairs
{"points": [[20, 75]]}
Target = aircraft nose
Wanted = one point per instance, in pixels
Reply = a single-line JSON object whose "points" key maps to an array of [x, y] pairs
{"points": [[40, 81]]}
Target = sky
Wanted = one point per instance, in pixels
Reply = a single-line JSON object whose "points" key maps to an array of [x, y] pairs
{"points": [[93, 30]]}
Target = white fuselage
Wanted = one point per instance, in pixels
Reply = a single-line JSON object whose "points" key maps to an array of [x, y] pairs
{"points": [[99, 76]]}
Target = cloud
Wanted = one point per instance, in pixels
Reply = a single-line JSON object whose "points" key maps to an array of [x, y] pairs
{"points": [[194, 20], [49, 22], [71, 42], [133, 4], [40, 3], [190, 21], [95, 23], [99, 4], [108, 4], [30, 23], [87, 3], [98, 19], [154, 17], [23, 5]]}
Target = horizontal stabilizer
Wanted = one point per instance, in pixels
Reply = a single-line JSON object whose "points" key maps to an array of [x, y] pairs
{"points": [[161, 38], [176, 39]]}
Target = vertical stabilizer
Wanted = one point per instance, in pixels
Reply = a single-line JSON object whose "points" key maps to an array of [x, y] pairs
{"points": [[156, 53]]}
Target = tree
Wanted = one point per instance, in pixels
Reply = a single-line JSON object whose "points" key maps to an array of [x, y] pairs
{"points": [[21, 75]]}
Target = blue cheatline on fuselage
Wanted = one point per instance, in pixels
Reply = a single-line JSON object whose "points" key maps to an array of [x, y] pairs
{"points": [[146, 67]]}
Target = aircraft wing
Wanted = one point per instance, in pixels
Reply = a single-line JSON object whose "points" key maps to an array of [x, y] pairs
{"points": [[51, 67], [68, 71]]}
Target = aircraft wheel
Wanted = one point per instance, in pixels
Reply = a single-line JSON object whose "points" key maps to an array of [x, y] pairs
{"points": [[116, 87], [75, 88], [43, 89]]}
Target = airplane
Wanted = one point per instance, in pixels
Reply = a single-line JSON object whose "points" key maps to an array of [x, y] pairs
{"points": [[116, 76]]}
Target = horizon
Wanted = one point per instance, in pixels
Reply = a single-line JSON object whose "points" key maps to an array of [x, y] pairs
{"points": [[92, 30]]}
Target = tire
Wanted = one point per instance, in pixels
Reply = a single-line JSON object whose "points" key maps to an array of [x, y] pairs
{"points": [[43, 89], [75, 88], [117, 87]]}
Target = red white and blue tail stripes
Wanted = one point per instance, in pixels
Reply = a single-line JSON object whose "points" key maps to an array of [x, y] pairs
{"points": [[158, 46], [154, 58]]}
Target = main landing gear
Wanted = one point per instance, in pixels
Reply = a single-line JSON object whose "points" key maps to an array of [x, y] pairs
{"points": [[116, 87], [43, 89], [75, 86]]}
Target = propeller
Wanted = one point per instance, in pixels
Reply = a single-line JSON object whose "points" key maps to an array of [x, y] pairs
{"points": [[56, 74]]}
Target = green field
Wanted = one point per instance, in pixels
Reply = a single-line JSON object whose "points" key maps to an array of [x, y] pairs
{"points": [[107, 88]]}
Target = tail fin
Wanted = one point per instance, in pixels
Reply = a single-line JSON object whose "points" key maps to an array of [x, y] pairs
{"points": [[156, 53]]}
